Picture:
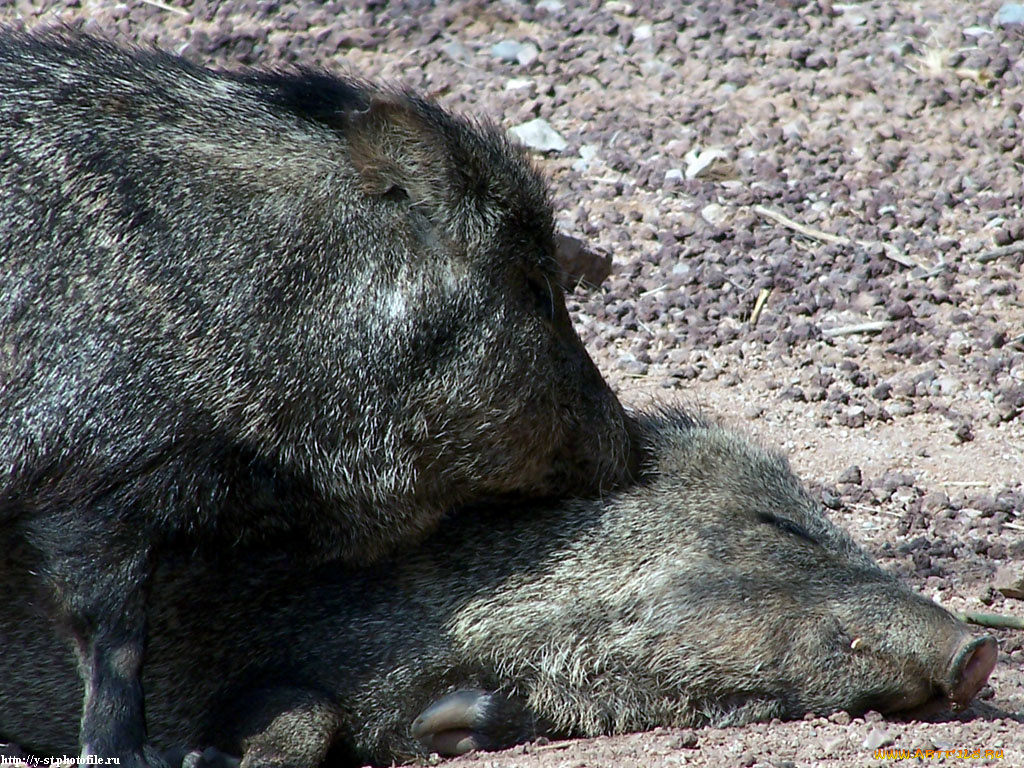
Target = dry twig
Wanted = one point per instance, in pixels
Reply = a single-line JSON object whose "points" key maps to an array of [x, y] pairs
{"points": [[875, 326], [891, 252], [166, 7], [553, 746], [788, 223], [873, 510], [995, 253], [762, 298], [991, 620]]}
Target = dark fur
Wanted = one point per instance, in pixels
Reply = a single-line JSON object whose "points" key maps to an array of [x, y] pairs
{"points": [[716, 591], [280, 308]]}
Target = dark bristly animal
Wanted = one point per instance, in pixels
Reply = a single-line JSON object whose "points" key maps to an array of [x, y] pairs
{"points": [[715, 591], [285, 310]]}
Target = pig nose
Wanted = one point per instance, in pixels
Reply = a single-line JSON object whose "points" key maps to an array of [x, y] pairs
{"points": [[969, 668]]}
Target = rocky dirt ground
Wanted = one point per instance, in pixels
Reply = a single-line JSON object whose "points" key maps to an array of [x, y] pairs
{"points": [[816, 218]]}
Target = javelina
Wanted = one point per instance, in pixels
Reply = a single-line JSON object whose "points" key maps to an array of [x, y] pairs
{"points": [[714, 591], [228, 295]]}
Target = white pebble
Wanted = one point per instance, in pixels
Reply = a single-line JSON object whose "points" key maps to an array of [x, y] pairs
{"points": [[538, 134], [1010, 14]]}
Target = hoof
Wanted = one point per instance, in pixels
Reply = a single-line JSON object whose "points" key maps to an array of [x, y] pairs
{"points": [[472, 720]]}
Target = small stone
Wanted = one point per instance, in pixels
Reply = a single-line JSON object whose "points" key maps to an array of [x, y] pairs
{"points": [[528, 54], [794, 129], [1010, 14], [506, 50], [815, 394], [588, 153], [794, 393], [852, 475], [686, 740], [934, 501], [854, 417], [633, 367], [456, 51], [1010, 403], [643, 32], [518, 83], [840, 718], [714, 214], [905, 388], [833, 746], [904, 495], [800, 52], [923, 744], [901, 409], [963, 432], [899, 310], [948, 385], [512, 50], [699, 161], [688, 372], [883, 391], [1010, 233], [538, 134], [878, 738], [850, 16], [1009, 581]]}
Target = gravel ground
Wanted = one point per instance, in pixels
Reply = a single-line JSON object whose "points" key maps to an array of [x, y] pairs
{"points": [[882, 346]]}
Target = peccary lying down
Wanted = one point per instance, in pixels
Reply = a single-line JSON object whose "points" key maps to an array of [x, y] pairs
{"points": [[266, 307], [714, 591]]}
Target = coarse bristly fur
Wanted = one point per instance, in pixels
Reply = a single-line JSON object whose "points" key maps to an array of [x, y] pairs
{"points": [[713, 591], [302, 312]]}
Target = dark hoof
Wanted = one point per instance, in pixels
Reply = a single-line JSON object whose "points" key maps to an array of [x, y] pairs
{"points": [[472, 720], [147, 757], [12, 756], [211, 757]]}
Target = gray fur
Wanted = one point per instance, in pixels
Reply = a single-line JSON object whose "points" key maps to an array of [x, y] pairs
{"points": [[289, 309], [714, 591]]}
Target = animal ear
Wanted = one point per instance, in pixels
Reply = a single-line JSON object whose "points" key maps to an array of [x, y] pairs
{"points": [[397, 148]]}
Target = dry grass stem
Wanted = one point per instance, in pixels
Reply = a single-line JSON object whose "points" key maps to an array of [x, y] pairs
{"points": [[891, 252], [874, 326], [166, 7]]}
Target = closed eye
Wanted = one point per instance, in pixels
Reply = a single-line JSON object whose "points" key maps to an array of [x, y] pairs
{"points": [[543, 295], [788, 526]]}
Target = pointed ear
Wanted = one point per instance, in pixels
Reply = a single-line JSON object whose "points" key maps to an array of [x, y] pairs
{"points": [[397, 148]]}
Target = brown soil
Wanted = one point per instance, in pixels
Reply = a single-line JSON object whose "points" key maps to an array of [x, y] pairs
{"points": [[896, 125]]}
